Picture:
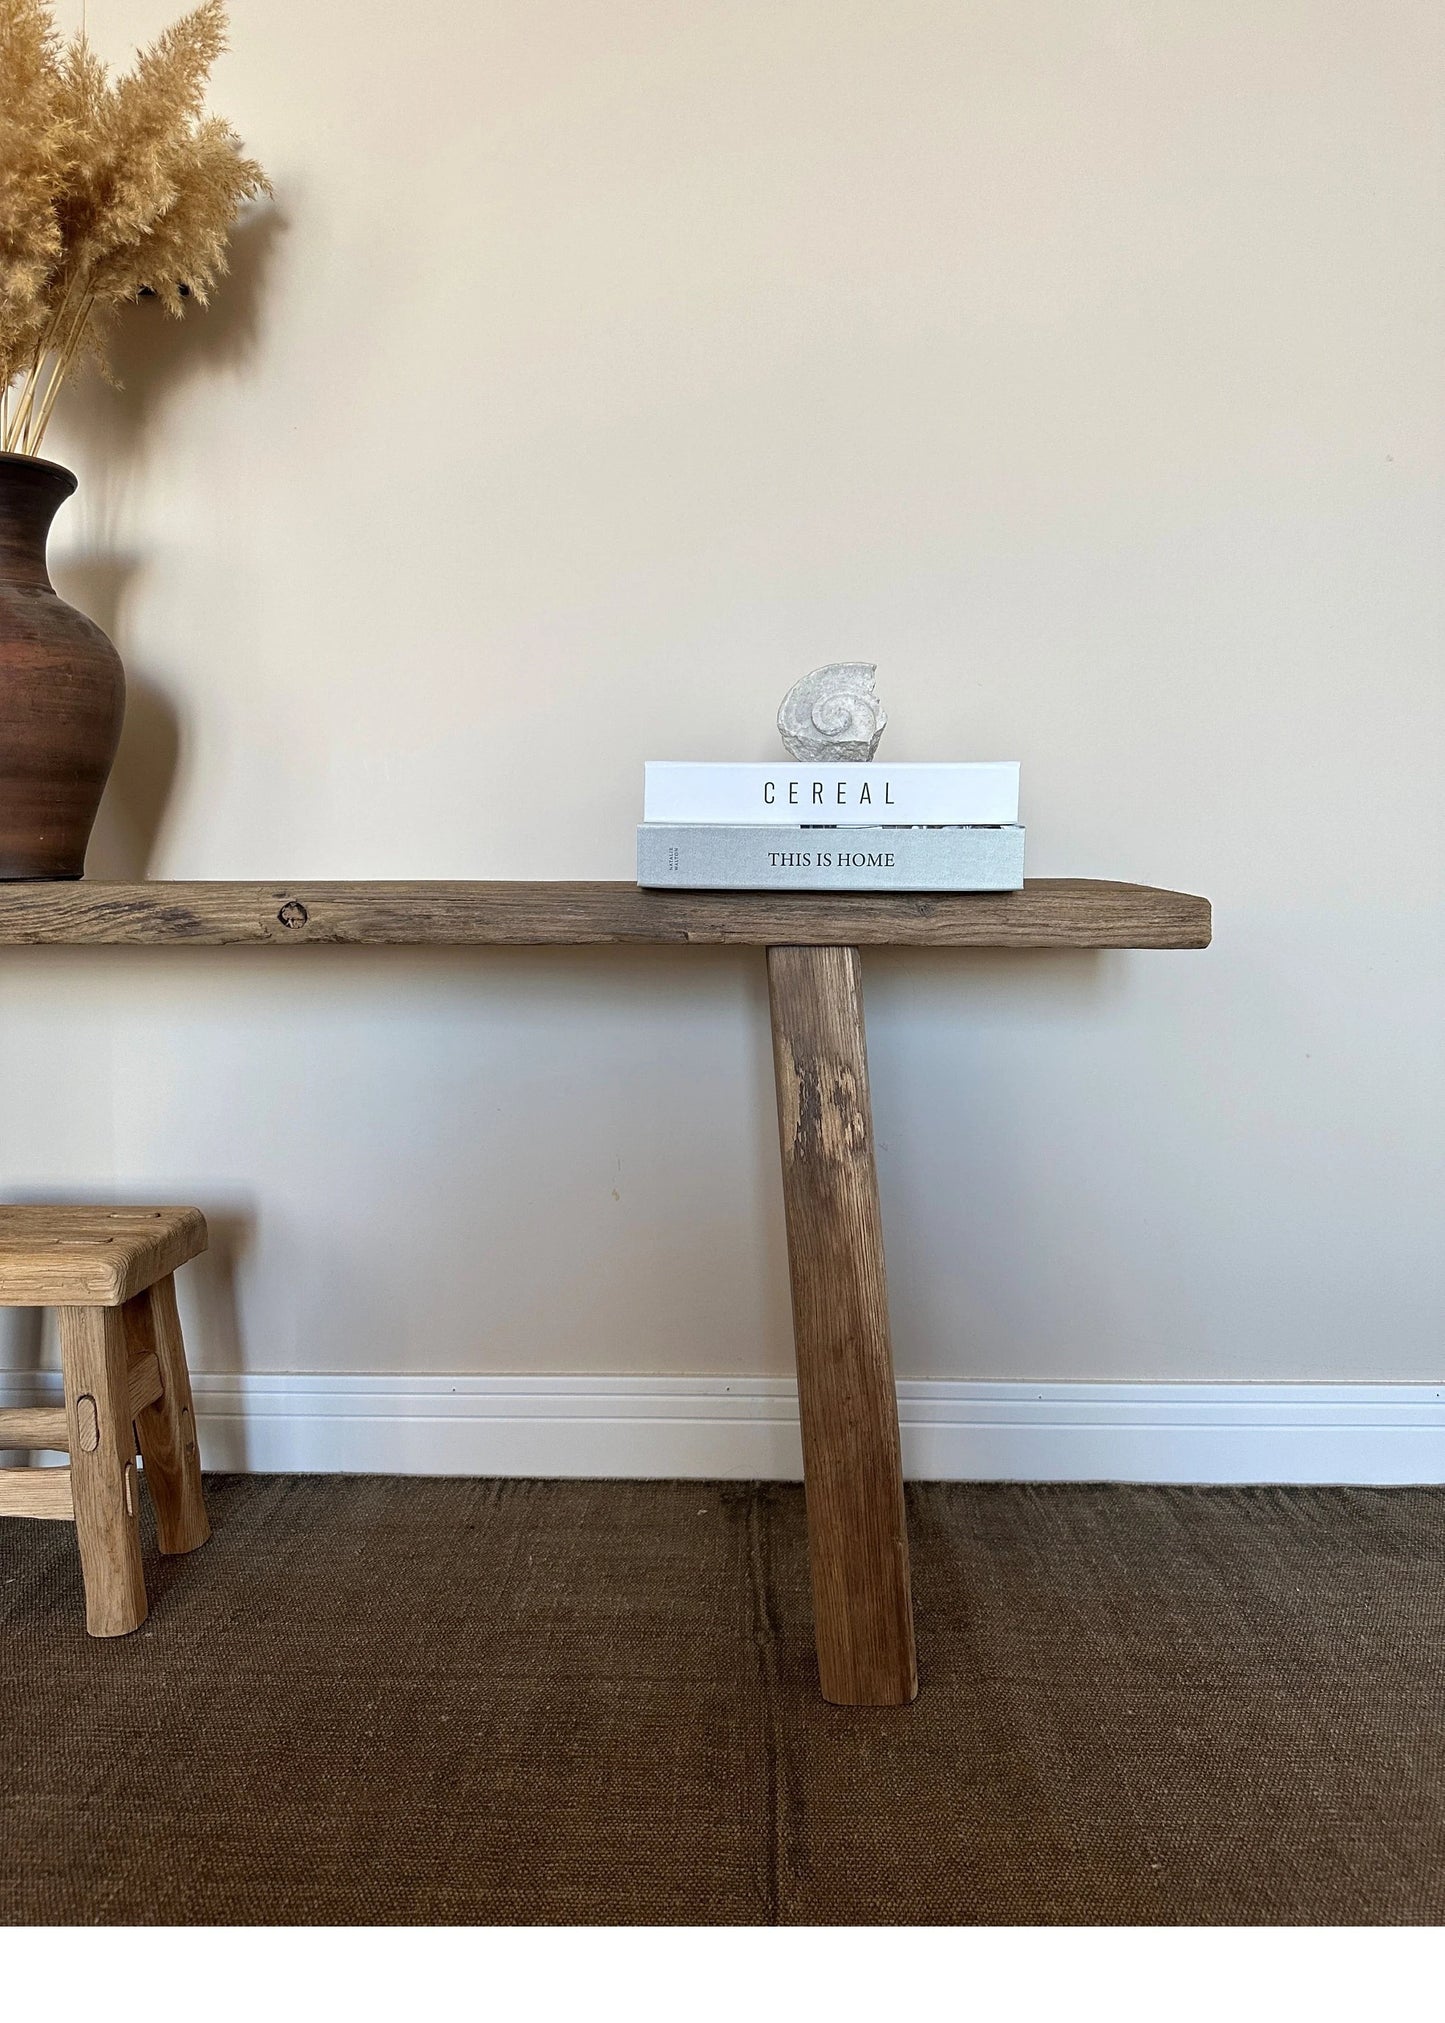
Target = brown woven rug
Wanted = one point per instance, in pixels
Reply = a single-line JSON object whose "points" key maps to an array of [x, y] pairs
{"points": [[381, 1700]]}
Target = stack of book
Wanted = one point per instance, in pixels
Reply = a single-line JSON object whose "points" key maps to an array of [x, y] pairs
{"points": [[831, 828]]}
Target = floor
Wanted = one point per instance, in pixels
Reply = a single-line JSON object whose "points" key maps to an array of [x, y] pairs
{"points": [[377, 1700]]}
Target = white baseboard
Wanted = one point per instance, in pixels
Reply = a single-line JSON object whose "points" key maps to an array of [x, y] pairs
{"points": [[746, 1427]]}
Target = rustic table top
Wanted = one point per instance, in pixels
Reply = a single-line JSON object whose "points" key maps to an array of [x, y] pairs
{"points": [[1047, 913]]}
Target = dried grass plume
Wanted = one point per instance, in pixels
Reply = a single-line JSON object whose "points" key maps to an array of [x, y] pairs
{"points": [[110, 189]]}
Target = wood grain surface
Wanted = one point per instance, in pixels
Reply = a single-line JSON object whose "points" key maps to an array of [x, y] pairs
{"points": [[852, 1468], [165, 1420], [54, 1255], [102, 1471], [35, 1429], [44, 1428], [36, 1492], [1048, 913]]}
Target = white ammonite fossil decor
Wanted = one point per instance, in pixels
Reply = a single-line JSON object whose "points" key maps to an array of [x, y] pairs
{"points": [[833, 715]]}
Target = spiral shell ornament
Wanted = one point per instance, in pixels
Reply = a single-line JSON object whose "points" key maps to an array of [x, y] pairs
{"points": [[833, 715]]}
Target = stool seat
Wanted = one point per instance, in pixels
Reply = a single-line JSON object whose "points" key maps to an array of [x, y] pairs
{"points": [[109, 1273], [92, 1257]]}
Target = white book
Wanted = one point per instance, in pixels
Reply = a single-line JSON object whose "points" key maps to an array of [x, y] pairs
{"points": [[979, 794]]}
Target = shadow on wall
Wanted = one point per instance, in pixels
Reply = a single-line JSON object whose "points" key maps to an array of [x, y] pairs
{"points": [[210, 1309], [111, 432], [152, 354]]}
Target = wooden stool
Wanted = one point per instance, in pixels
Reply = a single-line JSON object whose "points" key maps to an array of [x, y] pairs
{"points": [[109, 1272]]}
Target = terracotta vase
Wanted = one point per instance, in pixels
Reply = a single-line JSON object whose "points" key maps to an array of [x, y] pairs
{"points": [[62, 689]]}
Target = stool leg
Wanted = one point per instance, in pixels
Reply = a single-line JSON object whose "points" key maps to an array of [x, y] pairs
{"points": [[102, 1468], [167, 1429]]}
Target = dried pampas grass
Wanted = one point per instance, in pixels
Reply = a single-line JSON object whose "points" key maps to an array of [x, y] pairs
{"points": [[110, 189]]}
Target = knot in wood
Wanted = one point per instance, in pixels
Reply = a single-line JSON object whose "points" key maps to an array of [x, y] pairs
{"points": [[827, 1121], [293, 914]]}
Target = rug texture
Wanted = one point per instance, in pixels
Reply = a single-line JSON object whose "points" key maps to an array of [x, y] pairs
{"points": [[378, 1700]]}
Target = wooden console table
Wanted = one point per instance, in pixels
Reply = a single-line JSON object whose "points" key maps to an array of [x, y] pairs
{"points": [[858, 1541]]}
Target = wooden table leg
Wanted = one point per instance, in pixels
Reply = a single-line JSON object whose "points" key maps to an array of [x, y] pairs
{"points": [[853, 1473]]}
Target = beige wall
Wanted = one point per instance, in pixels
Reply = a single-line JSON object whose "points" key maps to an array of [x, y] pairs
{"points": [[603, 365]]}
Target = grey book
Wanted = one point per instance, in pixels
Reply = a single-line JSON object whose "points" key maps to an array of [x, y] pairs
{"points": [[745, 857]]}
